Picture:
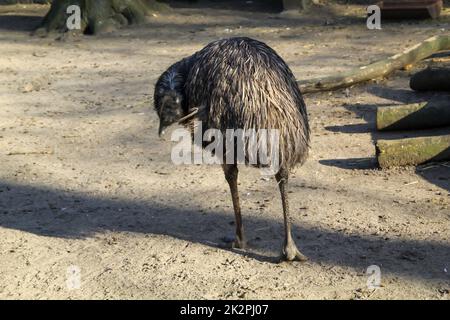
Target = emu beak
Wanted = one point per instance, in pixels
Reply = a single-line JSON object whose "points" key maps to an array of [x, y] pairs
{"points": [[162, 129]]}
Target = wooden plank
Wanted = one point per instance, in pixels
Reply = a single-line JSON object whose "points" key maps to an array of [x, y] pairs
{"points": [[418, 9], [432, 114], [412, 151]]}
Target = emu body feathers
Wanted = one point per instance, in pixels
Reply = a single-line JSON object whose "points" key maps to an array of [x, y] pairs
{"points": [[244, 84]]}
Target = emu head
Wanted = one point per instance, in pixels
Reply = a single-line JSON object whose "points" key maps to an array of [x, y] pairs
{"points": [[168, 105]]}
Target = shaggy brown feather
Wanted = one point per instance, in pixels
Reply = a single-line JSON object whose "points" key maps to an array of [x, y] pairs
{"points": [[241, 83]]}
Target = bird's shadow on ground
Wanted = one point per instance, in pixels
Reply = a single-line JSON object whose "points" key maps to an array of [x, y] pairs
{"points": [[54, 213]]}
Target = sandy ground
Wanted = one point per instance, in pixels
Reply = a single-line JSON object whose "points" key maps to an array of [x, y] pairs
{"points": [[88, 191]]}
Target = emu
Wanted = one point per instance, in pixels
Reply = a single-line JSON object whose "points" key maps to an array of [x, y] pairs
{"points": [[240, 83]]}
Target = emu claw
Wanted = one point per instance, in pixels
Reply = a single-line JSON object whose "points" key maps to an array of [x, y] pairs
{"points": [[239, 244], [291, 253], [234, 243]]}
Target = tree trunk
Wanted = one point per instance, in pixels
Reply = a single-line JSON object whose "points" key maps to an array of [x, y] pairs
{"points": [[378, 69], [431, 79], [97, 15], [412, 151], [433, 114]]}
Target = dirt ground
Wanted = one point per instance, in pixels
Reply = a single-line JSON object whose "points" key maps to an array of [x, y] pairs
{"points": [[88, 191]]}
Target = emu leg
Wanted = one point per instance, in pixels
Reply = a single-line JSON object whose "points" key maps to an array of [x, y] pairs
{"points": [[231, 175], [290, 251]]}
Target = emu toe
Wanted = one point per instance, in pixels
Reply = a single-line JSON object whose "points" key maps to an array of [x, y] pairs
{"points": [[235, 242], [291, 253], [239, 243]]}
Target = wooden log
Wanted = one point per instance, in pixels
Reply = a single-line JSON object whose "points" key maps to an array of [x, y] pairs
{"points": [[412, 151], [433, 114], [377, 69], [431, 79], [410, 9]]}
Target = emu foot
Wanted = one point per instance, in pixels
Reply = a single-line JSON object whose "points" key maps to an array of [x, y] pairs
{"points": [[291, 253], [235, 243], [239, 243]]}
